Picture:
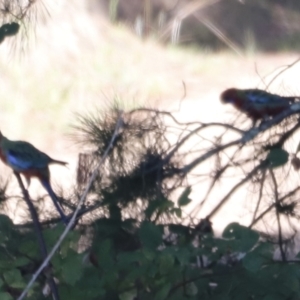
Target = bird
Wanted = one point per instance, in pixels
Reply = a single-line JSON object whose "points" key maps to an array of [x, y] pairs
{"points": [[257, 104], [23, 158]]}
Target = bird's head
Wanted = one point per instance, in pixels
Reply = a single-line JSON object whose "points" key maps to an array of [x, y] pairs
{"points": [[228, 96]]}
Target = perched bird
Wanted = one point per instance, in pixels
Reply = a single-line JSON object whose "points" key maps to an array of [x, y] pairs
{"points": [[257, 104], [27, 160]]}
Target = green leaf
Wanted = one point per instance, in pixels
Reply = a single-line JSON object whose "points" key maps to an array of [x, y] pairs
{"points": [[183, 255], [160, 205], [70, 240], [29, 248], [180, 229], [243, 238], [184, 197], [90, 286], [83, 292], [258, 257], [21, 261], [165, 205], [274, 296], [51, 235], [191, 289], [5, 222], [105, 254], [253, 262], [288, 277], [150, 235], [147, 255], [221, 297], [162, 294], [277, 157], [72, 268], [14, 279], [126, 259], [295, 296], [5, 264], [6, 296], [134, 274], [6, 228], [177, 211], [129, 295], [110, 279], [166, 262]]}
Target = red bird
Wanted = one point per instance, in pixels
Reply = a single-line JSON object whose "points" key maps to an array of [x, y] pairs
{"points": [[27, 160], [257, 104]]}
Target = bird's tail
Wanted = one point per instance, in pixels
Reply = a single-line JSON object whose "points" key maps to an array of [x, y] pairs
{"points": [[46, 184], [59, 162]]}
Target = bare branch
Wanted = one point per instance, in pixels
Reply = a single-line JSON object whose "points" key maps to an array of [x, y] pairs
{"points": [[46, 261], [277, 214], [38, 230]]}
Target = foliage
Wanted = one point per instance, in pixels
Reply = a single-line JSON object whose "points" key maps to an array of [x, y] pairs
{"points": [[142, 261], [131, 241], [18, 16], [213, 24]]}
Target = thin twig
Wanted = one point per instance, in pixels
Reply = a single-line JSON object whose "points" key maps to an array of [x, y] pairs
{"points": [[284, 137], [260, 194], [282, 71], [217, 177], [38, 230], [200, 124], [257, 73], [288, 195], [277, 214], [238, 185], [186, 169], [119, 124], [247, 137]]}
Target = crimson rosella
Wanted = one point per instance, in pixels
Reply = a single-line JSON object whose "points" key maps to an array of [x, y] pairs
{"points": [[257, 104], [27, 160]]}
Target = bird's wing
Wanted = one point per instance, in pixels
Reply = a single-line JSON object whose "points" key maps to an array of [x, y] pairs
{"points": [[260, 97], [15, 160], [24, 156]]}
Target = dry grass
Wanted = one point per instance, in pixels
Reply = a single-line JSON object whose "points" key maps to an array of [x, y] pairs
{"points": [[79, 61]]}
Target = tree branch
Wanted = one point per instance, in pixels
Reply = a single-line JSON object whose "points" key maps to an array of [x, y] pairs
{"points": [[119, 125], [38, 230]]}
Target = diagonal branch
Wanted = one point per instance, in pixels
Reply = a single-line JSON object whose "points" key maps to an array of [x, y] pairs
{"points": [[247, 137], [237, 186], [288, 195], [282, 71], [38, 230], [119, 125], [277, 214], [260, 194]]}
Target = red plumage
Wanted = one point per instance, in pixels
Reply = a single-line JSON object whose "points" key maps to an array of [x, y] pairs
{"points": [[257, 104]]}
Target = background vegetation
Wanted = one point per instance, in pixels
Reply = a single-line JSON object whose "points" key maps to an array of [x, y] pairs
{"points": [[149, 181]]}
